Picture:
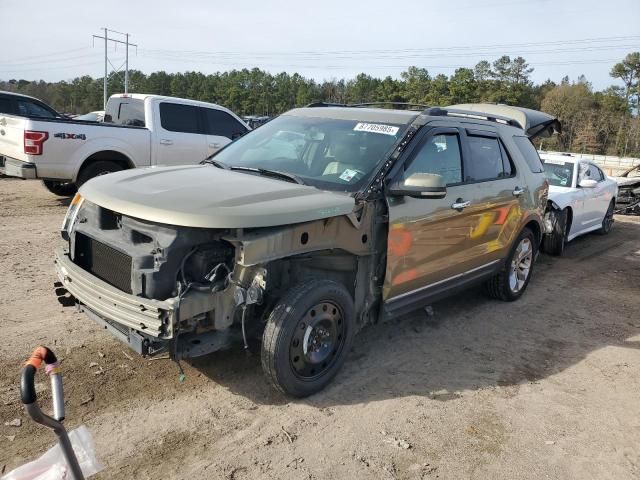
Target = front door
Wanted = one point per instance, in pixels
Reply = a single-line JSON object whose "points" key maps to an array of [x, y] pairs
{"points": [[178, 138]]}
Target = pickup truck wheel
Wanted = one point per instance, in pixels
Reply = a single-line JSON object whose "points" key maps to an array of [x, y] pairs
{"points": [[62, 189], [511, 281], [95, 169], [607, 222], [553, 243], [307, 337]]}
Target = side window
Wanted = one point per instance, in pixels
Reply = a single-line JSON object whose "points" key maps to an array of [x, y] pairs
{"points": [[30, 109], [590, 172], [596, 174], [440, 154], [5, 105], [221, 123], [529, 153], [486, 161], [179, 118]]}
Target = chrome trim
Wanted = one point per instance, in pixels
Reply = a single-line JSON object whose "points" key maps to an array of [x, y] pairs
{"points": [[108, 302], [459, 275]]}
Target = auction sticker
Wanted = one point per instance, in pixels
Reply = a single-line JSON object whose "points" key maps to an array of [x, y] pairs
{"points": [[348, 175], [376, 128]]}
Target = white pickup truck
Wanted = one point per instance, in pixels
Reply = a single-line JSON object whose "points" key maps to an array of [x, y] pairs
{"points": [[138, 130]]}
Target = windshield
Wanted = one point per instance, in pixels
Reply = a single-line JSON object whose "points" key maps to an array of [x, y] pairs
{"points": [[327, 153], [558, 173]]}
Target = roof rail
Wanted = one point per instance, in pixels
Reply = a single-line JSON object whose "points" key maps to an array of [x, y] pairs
{"points": [[419, 106], [448, 112]]}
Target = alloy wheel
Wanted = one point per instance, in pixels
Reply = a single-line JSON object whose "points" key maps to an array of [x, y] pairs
{"points": [[520, 265]]}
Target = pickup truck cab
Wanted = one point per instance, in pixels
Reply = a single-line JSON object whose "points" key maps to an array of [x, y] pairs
{"points": [[138, 130]]}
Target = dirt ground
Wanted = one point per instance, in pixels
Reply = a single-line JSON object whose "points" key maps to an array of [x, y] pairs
{"points": [[546, 387]]}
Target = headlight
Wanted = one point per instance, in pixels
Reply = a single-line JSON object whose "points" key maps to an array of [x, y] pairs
{"points": [[70, 217]]}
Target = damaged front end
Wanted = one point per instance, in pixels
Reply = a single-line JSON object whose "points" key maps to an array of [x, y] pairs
{"points": [[628, 201], [189, 291], [158, 288]]}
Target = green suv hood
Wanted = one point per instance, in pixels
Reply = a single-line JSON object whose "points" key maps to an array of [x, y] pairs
{"points": [[209, 197]]}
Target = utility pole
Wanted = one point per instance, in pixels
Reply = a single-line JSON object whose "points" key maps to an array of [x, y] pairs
{"points": [[107, 62]]}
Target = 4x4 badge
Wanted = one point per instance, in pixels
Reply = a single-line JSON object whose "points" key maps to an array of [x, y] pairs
{"points": [[71, 136]]}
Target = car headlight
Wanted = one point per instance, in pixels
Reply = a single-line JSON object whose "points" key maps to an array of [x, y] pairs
{"points": [[70, 217]]}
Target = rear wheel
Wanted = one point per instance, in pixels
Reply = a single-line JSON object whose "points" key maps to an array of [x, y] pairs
{"points": [[607, 222], [95, 169], [307, 337], [553, 243], [511, 281], [62, 189]]}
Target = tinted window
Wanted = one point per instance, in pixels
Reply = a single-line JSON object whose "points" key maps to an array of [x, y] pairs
{"points": [[440, 154], [529, 153], [221, 123], [179, 118], [486, 161], [30, 109], [596, 173], [5, 105]]}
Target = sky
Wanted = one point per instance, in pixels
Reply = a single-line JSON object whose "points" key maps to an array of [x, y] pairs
{"points": [[322, 40]]}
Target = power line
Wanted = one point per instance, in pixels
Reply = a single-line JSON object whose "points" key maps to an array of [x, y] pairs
{"points": [[107, 62]]}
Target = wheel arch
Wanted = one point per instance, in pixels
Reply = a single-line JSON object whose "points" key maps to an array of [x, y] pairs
{"points": [[110, 155]]}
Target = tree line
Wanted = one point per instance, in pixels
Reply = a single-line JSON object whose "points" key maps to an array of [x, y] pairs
{"points": [[601, 122]]}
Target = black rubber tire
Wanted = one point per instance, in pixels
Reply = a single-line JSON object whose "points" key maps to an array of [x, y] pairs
{"points": [[62, 189], [553, 243], [606, 228], [281, 327], [498, 286], [95, 169]]}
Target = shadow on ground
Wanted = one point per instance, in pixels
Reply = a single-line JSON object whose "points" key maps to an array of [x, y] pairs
{"points": [[575, 305]]}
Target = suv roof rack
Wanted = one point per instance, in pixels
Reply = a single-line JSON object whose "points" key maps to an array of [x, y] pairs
{"points": [[449, 112], [418, 106]]}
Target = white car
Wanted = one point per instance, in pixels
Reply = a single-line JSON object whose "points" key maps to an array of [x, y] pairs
{"points": [[581, 200]]}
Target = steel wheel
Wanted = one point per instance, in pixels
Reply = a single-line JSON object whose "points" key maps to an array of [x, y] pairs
{"points": [[521, 265], [318, 339]]}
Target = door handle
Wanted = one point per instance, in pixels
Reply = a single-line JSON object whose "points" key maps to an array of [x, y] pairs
{"points": [[166, 141], [214, 145], [518, 191], [460, 205]]}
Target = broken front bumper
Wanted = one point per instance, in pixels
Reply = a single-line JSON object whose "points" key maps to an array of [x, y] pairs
{"points": [[126, 313]]}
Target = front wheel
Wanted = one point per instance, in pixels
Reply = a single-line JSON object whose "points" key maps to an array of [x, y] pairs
{"points": [[511, 281], [307, 337]]}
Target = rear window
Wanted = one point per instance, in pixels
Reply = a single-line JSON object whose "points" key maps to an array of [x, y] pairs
{"points": [[131, 113], [30, 109], [529, 153], [179, 118], [487, 161]]}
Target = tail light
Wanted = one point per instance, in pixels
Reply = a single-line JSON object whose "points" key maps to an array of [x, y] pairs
{"points": [[33, 142]]}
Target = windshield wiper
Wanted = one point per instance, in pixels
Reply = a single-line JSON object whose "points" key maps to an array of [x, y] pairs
{"points": [[215, 163], [289, 177]]}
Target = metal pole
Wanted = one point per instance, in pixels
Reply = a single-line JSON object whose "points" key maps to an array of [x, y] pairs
{"points": [[126, 68], [104, 106]]}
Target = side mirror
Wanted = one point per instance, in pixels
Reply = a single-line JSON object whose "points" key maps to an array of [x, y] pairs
{"points": [[588, 183], [420, 185]]}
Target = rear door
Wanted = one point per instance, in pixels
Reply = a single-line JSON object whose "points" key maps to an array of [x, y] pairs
{"points": [[220, 128], [178, 137]]}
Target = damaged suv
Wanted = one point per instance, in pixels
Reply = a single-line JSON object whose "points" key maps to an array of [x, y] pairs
{"points": [[303, 231]]}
